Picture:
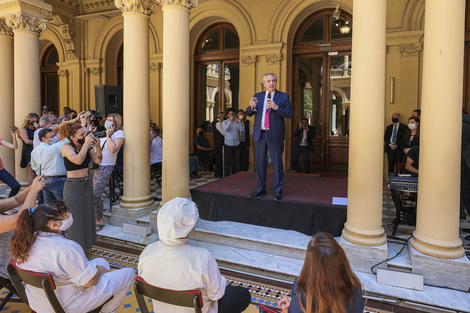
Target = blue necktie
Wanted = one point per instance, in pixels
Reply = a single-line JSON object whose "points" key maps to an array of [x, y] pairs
{"points": [[394, 136]]}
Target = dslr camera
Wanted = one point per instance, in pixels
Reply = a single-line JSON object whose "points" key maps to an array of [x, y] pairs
{"points": [[100, 134], [304, 124]]}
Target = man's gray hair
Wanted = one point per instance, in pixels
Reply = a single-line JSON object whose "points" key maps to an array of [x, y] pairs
{"points": [[264, 76], [46, 119]]}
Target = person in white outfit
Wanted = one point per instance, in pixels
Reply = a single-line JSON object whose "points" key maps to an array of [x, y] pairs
{"points": [[82, 285], [173, 263]]}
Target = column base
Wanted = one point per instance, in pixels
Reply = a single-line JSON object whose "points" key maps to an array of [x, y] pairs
{"points": [[445, 250], [120, 215], [364, 238], [453, 273], [136, 202], [361, 257]]}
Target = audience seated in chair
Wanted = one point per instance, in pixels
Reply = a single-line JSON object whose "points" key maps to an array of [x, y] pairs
{"points": [[173, 263]]}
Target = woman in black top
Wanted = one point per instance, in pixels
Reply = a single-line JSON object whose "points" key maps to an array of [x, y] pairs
{"points": [[411, 138], [27, 130], [326, 283], [78, 187]]}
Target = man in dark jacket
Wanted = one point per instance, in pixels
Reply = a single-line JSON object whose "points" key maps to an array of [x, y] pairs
{"points": [[393, 135], [218, 133], [303, 144]]}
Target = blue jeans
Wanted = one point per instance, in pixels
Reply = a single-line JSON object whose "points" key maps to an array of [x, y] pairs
{"points": [[8, 179], [54, 189]]}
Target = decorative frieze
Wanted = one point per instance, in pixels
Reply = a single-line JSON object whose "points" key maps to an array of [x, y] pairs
{"points": [[188, 4], [68, 35], [141, 6], [410, 48], [248, 60], [5, 29], [86, 71], [155, 67], [23, 22], [274, 58], [63, 73], [95, 71]]}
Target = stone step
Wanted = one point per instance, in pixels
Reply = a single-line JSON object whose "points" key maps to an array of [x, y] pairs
{"points": [[280, 242], [403, 260], [145, 220]]}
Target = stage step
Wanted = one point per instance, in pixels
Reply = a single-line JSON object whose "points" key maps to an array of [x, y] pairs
{"points": [[285, 243]]}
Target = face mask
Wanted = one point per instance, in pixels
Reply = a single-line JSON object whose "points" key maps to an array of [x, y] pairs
{"points": [[199, 133], [107, 124], [81, 141], [394, 120], [240, 117], [66, 223], [412, 126]]}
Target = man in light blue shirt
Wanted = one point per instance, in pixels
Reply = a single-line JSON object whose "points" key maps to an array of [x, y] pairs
{"points": [[232, 128], [47, 160]]}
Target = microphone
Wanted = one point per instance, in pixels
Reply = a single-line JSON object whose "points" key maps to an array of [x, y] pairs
{"points": [[269, 98]]}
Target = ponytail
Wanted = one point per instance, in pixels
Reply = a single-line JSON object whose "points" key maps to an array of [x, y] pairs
{"points": [[23, 237], [32, 221]]}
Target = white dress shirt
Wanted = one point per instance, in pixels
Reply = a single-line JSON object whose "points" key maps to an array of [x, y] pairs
{"points": [[156, 150], [263, 115], [175, 264], [36, 141], [109, 158], [47, 159]]}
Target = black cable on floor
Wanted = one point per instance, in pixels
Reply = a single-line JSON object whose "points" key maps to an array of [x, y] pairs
{"points": [[401, 250]]}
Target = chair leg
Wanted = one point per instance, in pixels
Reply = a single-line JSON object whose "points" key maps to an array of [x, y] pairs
{"points": [[5, 300]]}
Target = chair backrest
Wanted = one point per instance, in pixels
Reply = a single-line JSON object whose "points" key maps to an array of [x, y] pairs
{"points": [[401, 167], [39, 280], [184, 298]]}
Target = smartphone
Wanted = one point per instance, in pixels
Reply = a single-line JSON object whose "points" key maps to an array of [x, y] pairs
{"points": [[44, 109], [13, 128]]}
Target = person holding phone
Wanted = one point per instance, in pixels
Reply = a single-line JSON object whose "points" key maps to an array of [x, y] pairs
{"points": [[5, 176], [29, 126], [78, 187]]}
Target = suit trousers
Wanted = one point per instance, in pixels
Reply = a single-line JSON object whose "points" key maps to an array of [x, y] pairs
{"points": [[394, 157], [218, 159], [275, 151], [232, 159], [295, 159], [244, 157]]}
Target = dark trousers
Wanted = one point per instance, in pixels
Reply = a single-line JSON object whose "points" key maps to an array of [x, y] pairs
{"points": [[276, 148], [8, 179], [210, 157], [232, 159], [394, 157], [218, 159], [235, 300], [295, 158], [465, 188], [244, 156]]}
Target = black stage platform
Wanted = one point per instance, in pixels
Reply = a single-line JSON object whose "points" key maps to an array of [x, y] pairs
{"points": [[306, 206]]}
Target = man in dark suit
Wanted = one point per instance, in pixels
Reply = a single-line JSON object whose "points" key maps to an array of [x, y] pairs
{"points": [[465, 167], [270, 108], [303, 144], [393, 135], [218, 134]]}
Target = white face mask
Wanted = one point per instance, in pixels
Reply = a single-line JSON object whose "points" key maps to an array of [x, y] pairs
{"points": [[107, 124], [412, 126], [66, 223], [240, 117]]}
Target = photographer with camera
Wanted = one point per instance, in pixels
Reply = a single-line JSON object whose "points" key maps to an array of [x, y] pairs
{"points": [[232, 129], [303, 144], [110, 147], [78, 188]]}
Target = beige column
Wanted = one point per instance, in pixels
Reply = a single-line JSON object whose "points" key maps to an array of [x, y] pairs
{"points": [[136, 102], [437, 227], [27, 79], [176, 98], [365, 179], [6, 94]]}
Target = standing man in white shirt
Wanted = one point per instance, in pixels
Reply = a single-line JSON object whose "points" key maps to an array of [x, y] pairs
{"points": [[47, 160], [173, 263]]}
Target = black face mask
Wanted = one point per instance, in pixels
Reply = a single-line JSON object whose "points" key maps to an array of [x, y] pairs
{"points": [[199, 133], [394, 120], [81, 141]]}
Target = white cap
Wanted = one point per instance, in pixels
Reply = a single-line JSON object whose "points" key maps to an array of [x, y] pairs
{"points": [[177, 218]]}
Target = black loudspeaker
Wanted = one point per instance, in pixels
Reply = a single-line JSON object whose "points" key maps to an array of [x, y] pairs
{"points": [[108, 99]]}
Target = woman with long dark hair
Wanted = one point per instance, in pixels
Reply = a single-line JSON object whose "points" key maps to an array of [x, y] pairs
{"points": [[29, 126], [326, 282], [411, 137], [82, 285], [78, 187]]}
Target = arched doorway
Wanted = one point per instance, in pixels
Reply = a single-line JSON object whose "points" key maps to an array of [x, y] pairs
{"points": [[217, 73], [322, 81], [50, 80]]}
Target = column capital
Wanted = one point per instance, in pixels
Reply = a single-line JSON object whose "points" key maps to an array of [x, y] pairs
{"points": [[410, 48], [188, 4], [5, 29], [23, 22], [248, 60], [139, 6]]}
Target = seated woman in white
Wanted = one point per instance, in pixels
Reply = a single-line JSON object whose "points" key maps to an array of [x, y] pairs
{"points": [[82, 285]]}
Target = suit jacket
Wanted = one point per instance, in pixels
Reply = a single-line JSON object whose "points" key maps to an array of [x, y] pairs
{"points": [[466, 139], [277, 127], [310, 136], [388, 135]]}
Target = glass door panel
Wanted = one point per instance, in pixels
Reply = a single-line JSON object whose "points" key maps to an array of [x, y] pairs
{"points": [[208, 93], [339, 98]]}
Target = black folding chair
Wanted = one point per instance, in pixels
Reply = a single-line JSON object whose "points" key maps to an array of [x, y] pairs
{"points": [[6, 283], [39, 280], [183, 298]]}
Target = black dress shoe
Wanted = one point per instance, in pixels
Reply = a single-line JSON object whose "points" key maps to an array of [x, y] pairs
{"points": [[467, 230], [278, 195], [218, 176], [258, 193]]}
